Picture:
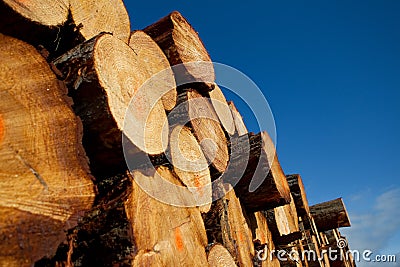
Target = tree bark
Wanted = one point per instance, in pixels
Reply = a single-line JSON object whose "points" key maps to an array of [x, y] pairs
{"points": [[104, 74], [330, 215], [247, 152], [298, 192], [156, 64], [44, 177], [181, 44]]}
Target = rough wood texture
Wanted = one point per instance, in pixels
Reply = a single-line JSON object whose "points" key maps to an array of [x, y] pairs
{"points": [[93, 17], [197, 110], [103, 75], [247, 152], [176, 234], [44, 180], [330, 215], [298, 192], [153, 60], [333, 237], [47, 13], [147, 259], [236, 233], [36, 22], [324, 248], [283, 222], [318, 262], [301, 250], [291, 258], [190, 165], [237, 119], [262, 238], [181, 44], [226, 224], [222, 109], [220, 257]]}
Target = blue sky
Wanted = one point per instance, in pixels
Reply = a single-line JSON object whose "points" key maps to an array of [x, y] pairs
{"points": [[330, 71]]}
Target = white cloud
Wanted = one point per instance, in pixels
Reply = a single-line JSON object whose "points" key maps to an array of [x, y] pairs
{"points": [[373, 229]]}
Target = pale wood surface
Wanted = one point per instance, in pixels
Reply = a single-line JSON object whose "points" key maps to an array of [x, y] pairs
{"points": [[104, 76], [236, 233], [176, 234], [93, 17], [208, 130], [222, 109], [237, 119], [190, 165], [152, 58], [219, 256], [44, 178]]}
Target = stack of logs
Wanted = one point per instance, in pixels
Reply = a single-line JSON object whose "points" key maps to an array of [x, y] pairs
{"points": [[68, 72]]}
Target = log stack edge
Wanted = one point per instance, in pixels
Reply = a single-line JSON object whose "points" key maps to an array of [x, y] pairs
{"points": [[68, 72]]}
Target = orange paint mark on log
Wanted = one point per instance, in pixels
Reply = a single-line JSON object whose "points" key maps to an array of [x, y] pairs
{"points": [[1, 128], [178, 239], [198, 185], [197, 181], [241, 237]]}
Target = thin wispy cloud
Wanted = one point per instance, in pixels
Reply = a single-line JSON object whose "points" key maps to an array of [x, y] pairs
{"points": [[372, 230]]}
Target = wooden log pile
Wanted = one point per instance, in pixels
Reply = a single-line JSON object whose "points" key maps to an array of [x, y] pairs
{"points": [[89, 177]]}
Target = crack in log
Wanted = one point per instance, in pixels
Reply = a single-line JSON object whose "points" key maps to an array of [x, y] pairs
{"points": [[186, 222], [37, 175]]}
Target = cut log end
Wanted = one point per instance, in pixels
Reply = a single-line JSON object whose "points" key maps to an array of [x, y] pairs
{"points": [[120, 74], [222, 109], [44, 176], [181, 44], [177, 234], [40, 23], [219, 256], [208, 130], [104, 16], [191, 166], [106, 77], [175, 29], [157, 66], [330, 215], [47, 13], [238, 120], [1, 129]]}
